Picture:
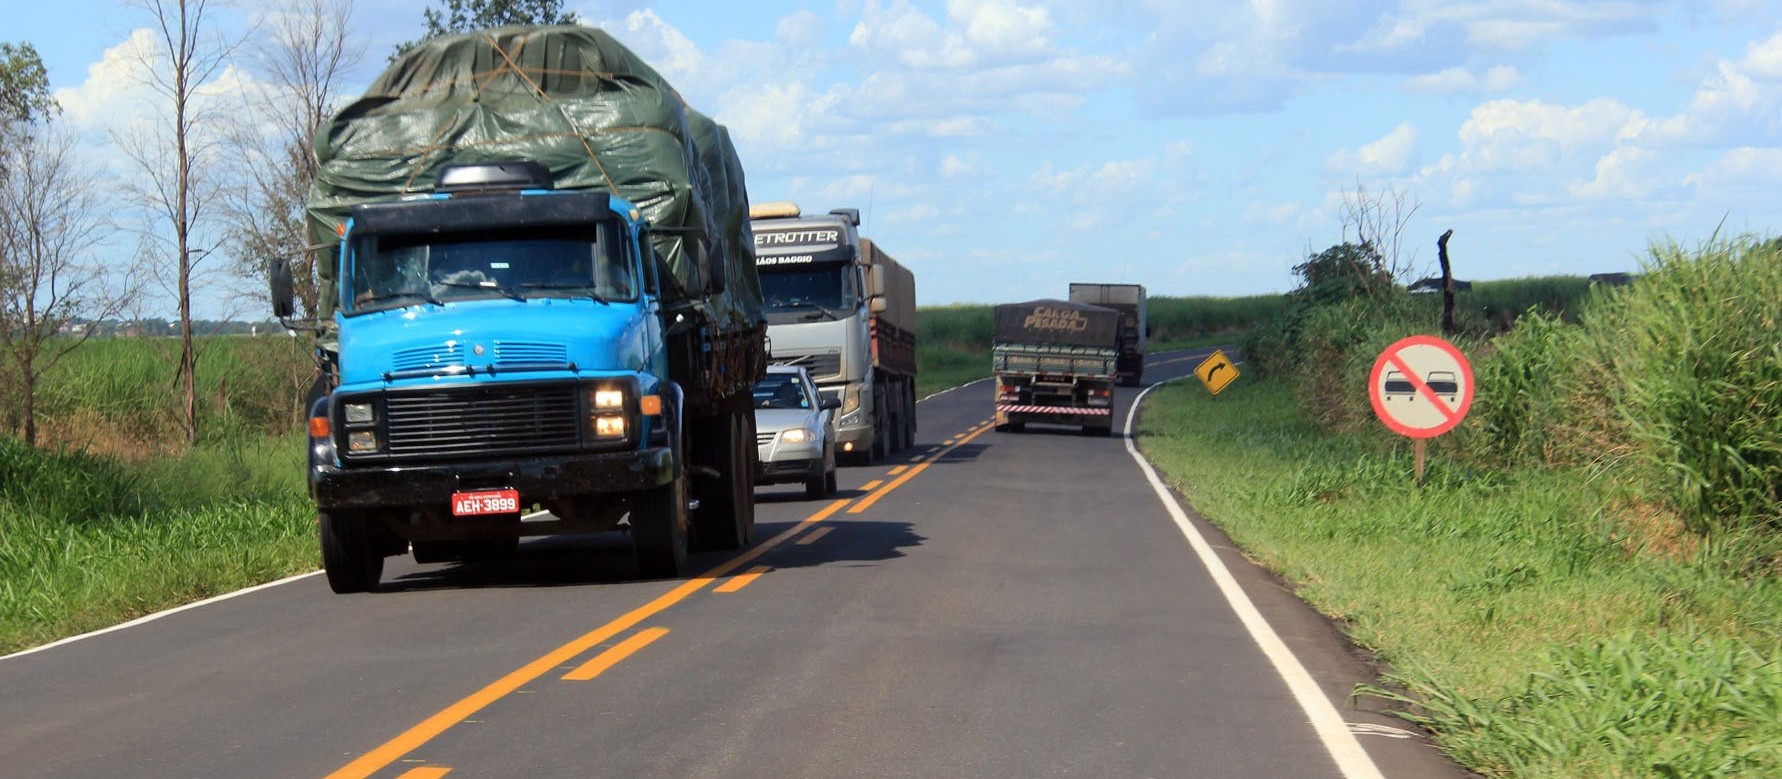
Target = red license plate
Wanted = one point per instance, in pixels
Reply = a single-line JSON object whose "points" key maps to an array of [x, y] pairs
{"points": [[470, 504]]}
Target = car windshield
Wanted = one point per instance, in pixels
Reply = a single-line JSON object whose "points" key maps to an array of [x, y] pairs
{"points": [[578, 261], [781, 390]]}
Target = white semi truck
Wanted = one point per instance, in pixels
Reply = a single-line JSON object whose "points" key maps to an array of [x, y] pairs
{"points": [[842, 308]]}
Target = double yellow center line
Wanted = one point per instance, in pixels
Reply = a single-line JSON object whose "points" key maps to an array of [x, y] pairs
{"points": [[395, 749]]}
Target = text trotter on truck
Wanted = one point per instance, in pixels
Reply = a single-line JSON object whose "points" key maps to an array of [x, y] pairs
{"points": [[510, 334], [842, 308]]}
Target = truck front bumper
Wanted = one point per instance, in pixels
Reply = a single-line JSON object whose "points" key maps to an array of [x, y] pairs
{"points": [[536, 479]]}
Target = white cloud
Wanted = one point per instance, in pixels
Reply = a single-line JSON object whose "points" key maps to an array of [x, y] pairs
{"points": [[1625, 173], [1501, 78], [1744, 169], [1392, 155], [956, 166]]}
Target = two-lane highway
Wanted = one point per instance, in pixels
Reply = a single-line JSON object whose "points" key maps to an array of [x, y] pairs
{"points": [[994, 604]]}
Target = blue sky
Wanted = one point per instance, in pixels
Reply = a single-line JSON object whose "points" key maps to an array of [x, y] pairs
{"points": [[1004, 148]]}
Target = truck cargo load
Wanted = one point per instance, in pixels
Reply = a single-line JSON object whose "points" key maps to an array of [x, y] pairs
{"points": [[1056, 323], [573, 99]]}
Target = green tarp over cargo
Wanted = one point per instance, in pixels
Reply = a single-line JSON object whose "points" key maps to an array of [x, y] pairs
{"points": [[573, 99]]}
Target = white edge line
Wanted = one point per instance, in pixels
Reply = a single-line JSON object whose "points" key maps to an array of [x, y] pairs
{"points": [[159, 614], [933, 395], [1342, 745]]}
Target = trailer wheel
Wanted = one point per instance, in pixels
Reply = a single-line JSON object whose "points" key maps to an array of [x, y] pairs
{"points": [[659, 530], [726, 516], [348, 558]]}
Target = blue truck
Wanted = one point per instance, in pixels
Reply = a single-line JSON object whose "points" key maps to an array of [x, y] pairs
{"points": [[533, 327]]}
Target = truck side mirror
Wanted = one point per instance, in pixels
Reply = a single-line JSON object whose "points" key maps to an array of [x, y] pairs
{"points": [[875, 281], [279, 278], [878, 305]]}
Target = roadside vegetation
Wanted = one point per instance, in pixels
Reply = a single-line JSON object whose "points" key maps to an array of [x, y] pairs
{"points": [[114, 516], [1589, 582]]}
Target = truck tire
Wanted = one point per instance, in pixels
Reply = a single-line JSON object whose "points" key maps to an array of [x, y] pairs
{"points": [[659, 530], [348, 557], [881, 430], [726, 516]]}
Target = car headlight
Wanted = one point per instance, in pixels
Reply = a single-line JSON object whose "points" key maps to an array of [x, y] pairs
{"points": [[797, 435]]}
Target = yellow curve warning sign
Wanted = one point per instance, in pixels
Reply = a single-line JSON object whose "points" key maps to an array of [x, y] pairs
{"points": [[1216, 371]]}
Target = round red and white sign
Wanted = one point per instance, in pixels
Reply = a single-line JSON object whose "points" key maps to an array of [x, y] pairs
{"points": [[1421, 386]]}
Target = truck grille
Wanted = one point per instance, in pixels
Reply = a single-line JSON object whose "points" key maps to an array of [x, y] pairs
{"points": [[483, 420], [820, 365]]}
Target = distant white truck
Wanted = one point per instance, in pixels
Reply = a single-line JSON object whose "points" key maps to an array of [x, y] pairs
{"points": [[1129, 300], [846, 311]]}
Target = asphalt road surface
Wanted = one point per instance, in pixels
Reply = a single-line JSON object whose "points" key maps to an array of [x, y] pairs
{"points": [[986, 605]]}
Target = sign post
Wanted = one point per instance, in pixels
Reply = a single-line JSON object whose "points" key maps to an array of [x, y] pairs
{"points": [[1421, 387]]}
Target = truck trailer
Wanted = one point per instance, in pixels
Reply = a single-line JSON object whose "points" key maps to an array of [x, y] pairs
{"points": [[1129, 300], [845, 310], [1055, 363], [540, 311]]}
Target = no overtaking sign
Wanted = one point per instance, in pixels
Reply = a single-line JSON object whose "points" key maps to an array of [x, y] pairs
{"points": [[1421, 386]]}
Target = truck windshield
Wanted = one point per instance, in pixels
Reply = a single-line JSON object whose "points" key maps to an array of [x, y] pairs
{"points": [[810, 288], [578, 261]]}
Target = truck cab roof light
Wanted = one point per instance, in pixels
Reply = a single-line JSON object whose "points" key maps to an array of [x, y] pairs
{"points": [[493, 176], [783, 209]]}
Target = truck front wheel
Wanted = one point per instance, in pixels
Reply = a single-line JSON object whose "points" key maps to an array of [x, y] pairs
{"points": [[348, 557], [726, 517], [659, 530]]}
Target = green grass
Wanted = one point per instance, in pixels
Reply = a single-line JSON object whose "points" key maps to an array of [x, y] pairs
{"points": [[86, 542], [1481, 581]]}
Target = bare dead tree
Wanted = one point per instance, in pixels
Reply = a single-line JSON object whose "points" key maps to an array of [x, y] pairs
{"points": [[1378, 222], [51, 219], [1447, 283], [309, 49], [178, 156]]}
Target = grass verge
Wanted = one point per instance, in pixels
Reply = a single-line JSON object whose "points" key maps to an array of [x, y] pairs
{"points": [[87, 543], [1531, 622]]}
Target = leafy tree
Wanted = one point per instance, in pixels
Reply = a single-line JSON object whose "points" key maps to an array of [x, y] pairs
{"points": [[1341, 272], [455, 16], [24, 97]]}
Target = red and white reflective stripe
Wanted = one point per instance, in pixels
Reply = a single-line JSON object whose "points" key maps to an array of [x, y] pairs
{"points": [[1053, 410]]}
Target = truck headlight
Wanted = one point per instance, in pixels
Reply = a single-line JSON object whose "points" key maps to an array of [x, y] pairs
{"points": [[609, 426], [850, 398], [362, 441], [609, 399], [360, 414]]}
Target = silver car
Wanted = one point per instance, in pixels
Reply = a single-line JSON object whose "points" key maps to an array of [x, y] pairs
{"points": [[795, 431]]}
